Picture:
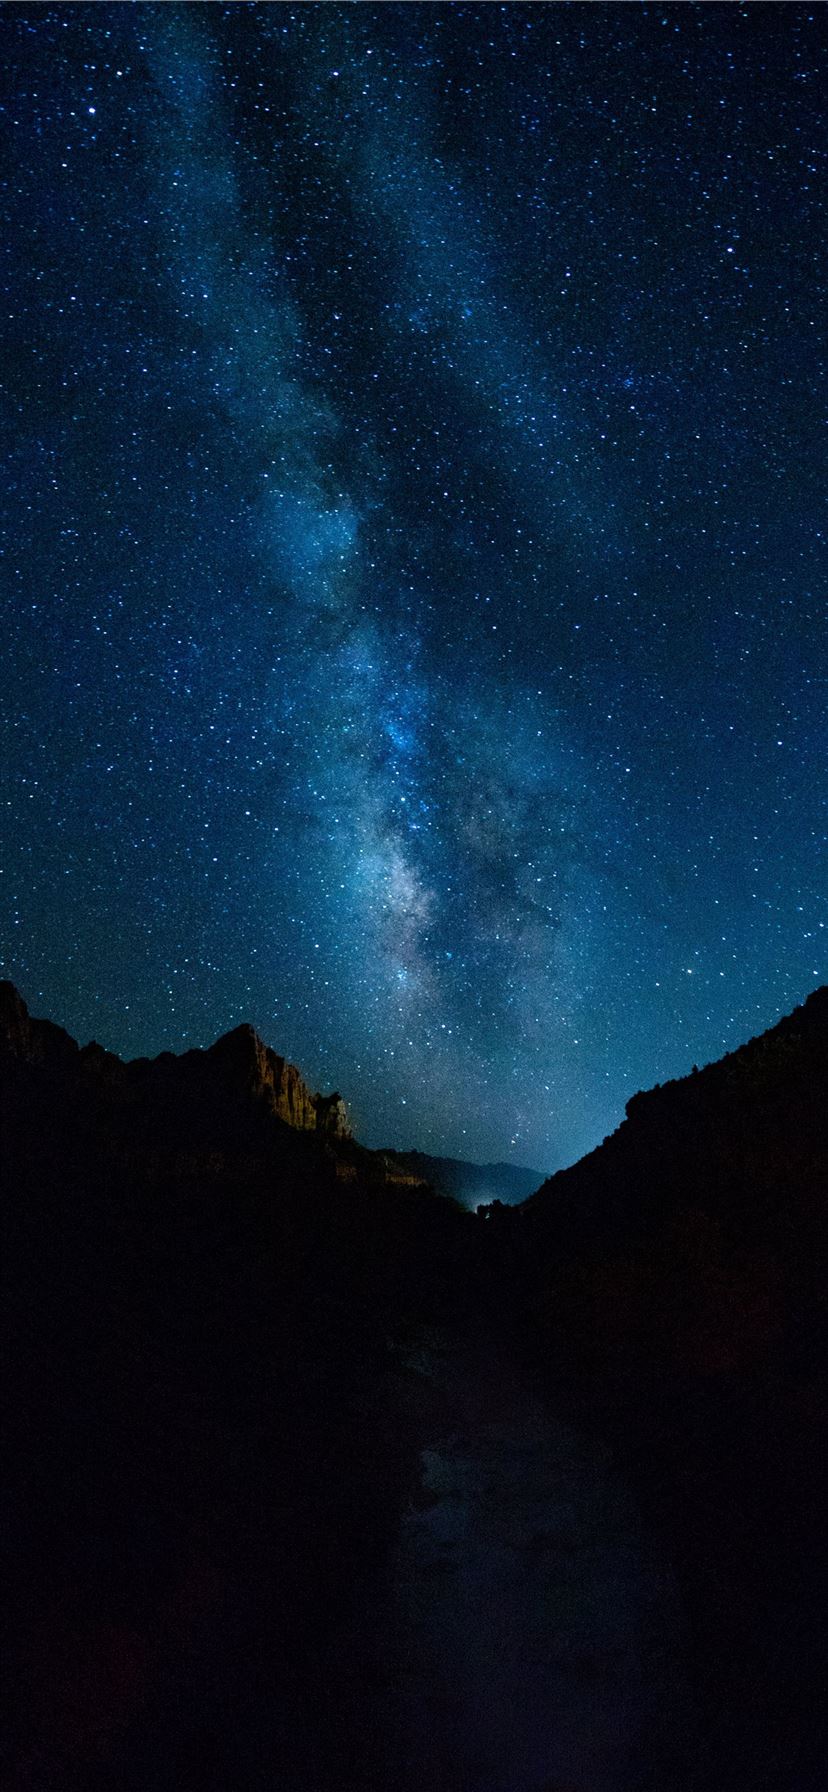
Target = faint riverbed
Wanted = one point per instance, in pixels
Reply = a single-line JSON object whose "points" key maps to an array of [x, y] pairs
{"points": [[534, 1641]]}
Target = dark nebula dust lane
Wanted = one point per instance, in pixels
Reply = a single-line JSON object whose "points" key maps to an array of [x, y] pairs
{"points": [[414, 543]]}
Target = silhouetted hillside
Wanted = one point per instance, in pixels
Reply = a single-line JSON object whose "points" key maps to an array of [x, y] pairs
{"points": [[751, 1121], [678, 1277], [210, 1431]]}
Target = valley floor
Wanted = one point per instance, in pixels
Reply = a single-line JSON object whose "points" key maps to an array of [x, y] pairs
{"points": [[532, 1639]]}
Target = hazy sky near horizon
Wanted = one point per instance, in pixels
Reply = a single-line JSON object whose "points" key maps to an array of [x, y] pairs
{"points": [[415, 543]]}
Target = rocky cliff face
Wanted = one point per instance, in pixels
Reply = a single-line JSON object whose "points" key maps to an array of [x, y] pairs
{"points": [[239, 1068], [256, 1073]]}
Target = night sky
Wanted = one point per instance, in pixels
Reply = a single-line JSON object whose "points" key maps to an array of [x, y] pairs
{"points": [[414, 543]]}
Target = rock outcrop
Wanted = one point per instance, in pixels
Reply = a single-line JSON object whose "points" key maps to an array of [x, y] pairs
{"points": [[239, 1069], [28, 1040], [253, 1071]]}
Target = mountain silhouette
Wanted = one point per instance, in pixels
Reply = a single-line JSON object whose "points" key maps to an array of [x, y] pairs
{"points": [[472, 1184]]}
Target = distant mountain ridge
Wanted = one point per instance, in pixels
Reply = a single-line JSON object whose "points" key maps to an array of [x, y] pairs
{"points": [[474, 1185]]}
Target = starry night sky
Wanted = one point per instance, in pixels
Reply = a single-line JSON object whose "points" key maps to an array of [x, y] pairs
{"points": [[414, 571]]}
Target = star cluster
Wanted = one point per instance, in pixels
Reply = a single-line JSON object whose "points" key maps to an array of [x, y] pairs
{"points": [[414, 543]]}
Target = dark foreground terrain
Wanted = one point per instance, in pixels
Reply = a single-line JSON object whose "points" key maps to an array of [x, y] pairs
{"points": [[314, 1480]]}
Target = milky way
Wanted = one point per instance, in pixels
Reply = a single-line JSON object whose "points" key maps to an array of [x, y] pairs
{"points": [[415, 544]]}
